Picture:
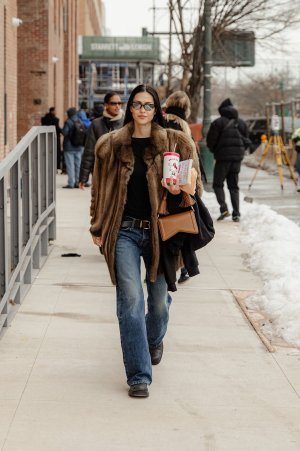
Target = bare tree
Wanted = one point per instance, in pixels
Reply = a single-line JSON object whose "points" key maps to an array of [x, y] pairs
{"points": [[252, 95], [265, 17]]}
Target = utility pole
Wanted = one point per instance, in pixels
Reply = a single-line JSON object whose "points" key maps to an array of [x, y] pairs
{"points": [[154, 16], [206, 154], [170, 49]]}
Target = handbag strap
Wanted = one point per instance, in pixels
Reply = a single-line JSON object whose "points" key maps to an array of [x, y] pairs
{"points": [[187, 201]]}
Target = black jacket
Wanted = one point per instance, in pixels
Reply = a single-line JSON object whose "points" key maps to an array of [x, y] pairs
{"points": [[51, 119], [99, 127], [181, 243], [225, 139]]}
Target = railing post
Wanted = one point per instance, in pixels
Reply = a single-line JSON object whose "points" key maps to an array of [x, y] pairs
{"points": [[3, 252], [35, 180], [52, 164], [27, 214], [15, 201], [26, 197]]}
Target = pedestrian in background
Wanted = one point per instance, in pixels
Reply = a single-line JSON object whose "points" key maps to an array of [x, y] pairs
{"points": [[72, 151], [126, 195], [227, 139], [83, 114], [51, 119], [177, 111], [296, 140], [97, 111], [112, 119]]}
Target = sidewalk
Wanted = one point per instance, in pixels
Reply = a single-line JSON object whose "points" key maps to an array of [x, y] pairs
{"points": [[217, 388]]}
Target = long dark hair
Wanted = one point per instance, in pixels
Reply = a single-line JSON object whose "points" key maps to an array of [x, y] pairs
{"points": [[158, 117]]}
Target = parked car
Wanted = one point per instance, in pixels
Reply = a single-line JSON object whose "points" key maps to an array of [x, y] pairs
{"points": [[257, 127]]}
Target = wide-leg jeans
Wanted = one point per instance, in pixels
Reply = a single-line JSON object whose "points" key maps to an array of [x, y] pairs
{"points": [[139, 331], [73, 161]]}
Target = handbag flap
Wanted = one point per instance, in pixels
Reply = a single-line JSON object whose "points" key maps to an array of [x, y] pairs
{"points": [[180, 222]]}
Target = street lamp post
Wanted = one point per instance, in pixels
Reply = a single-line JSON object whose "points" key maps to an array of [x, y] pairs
{"points": [[207, 156]]}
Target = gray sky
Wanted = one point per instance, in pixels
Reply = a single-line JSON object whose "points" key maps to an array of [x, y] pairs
{"points": [[126, 18]]}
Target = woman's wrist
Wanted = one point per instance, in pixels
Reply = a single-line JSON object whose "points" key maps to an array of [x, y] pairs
{"points": [[176, 192]]}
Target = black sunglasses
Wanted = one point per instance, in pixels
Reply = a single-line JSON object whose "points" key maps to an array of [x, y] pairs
{"points": [[139, 105], [115, 103]]}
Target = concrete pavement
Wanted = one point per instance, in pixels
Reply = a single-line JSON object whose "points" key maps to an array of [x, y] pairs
{"points": [[217, 388]]}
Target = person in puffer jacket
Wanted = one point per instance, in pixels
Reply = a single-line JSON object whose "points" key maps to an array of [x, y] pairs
{"points": [[227, 139], [296, 140]]}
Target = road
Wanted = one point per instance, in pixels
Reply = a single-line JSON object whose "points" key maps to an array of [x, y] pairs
{"points": [[266, 190]]}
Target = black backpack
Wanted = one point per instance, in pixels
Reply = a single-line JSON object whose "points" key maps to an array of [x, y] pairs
{"points": [[78, 133], [247, 143]]}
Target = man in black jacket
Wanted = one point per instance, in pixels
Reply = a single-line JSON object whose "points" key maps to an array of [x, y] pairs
{"points": [[51, 119], [227, 139], [112, 119]]}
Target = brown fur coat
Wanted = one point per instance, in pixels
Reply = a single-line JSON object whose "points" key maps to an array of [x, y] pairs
{"points": [[114, 163]]}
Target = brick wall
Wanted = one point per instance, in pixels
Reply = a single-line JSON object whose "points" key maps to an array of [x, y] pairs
{"points": [[70, 55], [56, 51], [40, 48], [2, 81], [41, 60], [8, 77], [90, 17]]}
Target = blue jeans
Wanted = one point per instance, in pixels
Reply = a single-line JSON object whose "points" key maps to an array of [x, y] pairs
{"points": [[73, 161], [139, 332]]}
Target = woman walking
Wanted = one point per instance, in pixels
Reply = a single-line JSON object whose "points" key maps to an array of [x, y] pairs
{"points": [[126, 193], [178, 110]]}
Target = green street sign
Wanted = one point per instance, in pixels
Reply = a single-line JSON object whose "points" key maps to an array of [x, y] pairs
{"points": [[234, 48], [108, 48]]}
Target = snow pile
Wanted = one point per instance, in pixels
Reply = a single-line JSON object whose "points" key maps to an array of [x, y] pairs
{"points": [[274, 243], [274, 253]]}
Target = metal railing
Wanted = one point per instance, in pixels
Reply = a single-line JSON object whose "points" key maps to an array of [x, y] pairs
{"points": [[27, 215]]}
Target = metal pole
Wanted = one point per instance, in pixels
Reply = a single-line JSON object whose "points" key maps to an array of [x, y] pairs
{"points": [[206, 154], [153, 25], [207, 67], [282, 122], [170, 50]]}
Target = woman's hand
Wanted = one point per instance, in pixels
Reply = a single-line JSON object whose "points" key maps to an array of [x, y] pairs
{"points": [[190, 188], [173, 189], [97, 240]]}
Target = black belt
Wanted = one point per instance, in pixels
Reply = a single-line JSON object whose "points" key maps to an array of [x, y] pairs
{"points": [[136, 224]]}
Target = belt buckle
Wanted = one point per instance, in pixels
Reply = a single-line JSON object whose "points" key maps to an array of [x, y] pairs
{"points": [[148, 226]]}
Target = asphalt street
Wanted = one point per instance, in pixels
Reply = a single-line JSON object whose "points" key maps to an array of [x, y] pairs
{"points": [[266, 190]]}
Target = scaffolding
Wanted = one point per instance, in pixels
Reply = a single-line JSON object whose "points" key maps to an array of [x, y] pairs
{"points": [[115, 64]]}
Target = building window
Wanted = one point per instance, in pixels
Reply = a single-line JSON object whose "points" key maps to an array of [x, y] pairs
{"points": [[65, 15]]}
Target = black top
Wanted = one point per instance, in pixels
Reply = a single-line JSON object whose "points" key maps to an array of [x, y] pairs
{"points": [[138, 202]]}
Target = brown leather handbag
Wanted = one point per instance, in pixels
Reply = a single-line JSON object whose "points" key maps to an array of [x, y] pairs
{"points": [[179, 222], [170, 224]]}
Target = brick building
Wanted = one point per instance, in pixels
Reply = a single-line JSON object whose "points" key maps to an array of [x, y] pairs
{"points": [[8, 77], [39, 60]]}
